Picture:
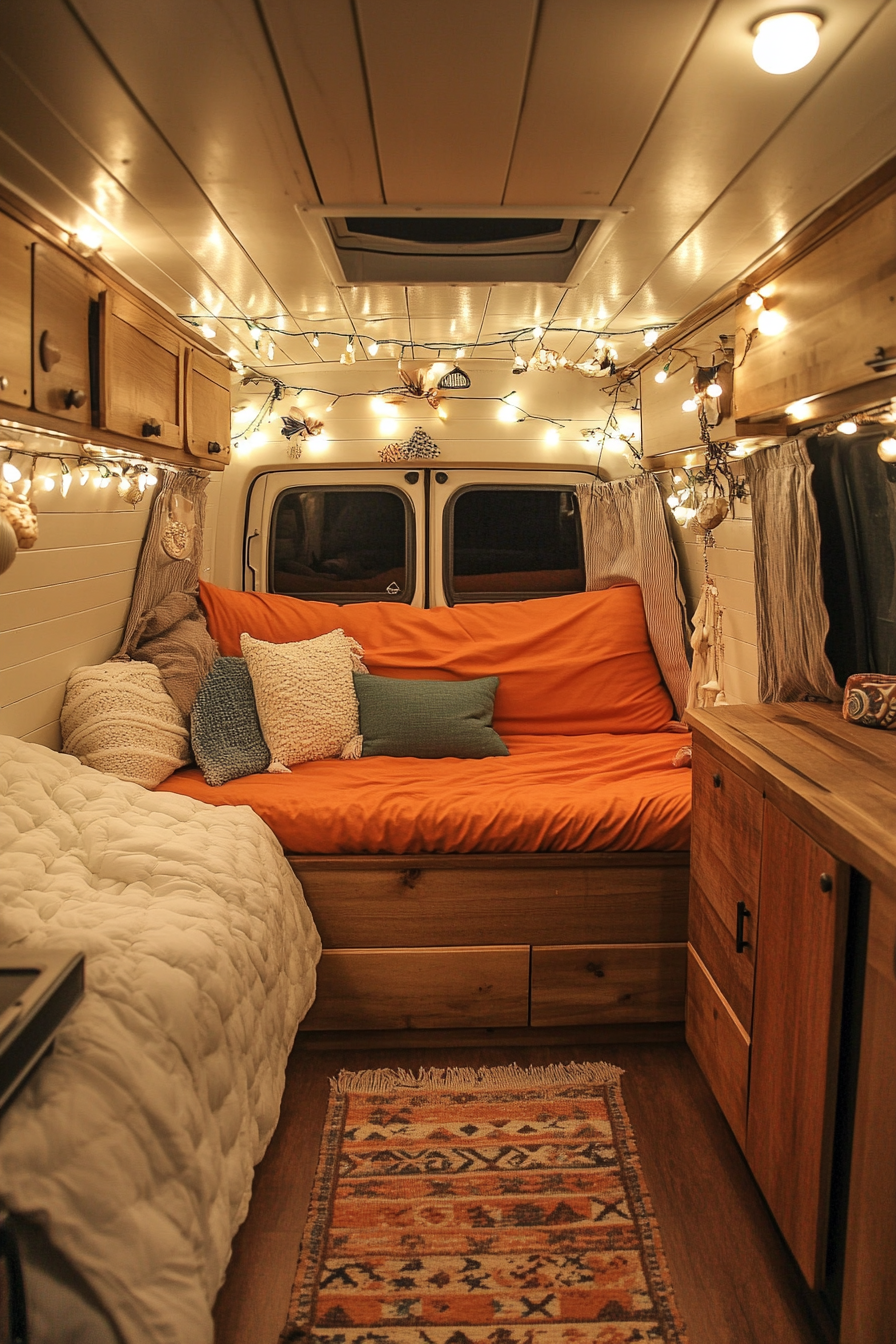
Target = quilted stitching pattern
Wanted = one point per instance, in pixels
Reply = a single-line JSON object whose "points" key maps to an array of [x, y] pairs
{"points": [[134, 1143]]}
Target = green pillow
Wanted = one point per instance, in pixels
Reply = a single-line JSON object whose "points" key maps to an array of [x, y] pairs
{"points": [[427, 718]]}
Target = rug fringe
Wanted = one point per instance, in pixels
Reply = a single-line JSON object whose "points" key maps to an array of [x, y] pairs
{"points": [[463, 1080]]}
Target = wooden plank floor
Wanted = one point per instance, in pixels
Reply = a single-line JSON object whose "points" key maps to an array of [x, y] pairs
{"points": [[734, 1279]]}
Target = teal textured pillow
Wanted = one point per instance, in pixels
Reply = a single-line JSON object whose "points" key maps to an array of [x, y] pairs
{"points": [[427, 718], [224, 728]]}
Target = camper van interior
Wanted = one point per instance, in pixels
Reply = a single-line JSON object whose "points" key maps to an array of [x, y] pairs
{"points": [[448, 659]]}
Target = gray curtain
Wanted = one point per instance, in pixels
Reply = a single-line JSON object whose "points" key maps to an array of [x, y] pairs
{"points": [[158, 573], [626, 538], [791, 617]]}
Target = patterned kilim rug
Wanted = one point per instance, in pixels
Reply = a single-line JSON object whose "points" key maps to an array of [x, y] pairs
{"points": [[500, 1207]]}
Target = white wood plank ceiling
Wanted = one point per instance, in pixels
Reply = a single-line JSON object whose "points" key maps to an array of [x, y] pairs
{"points": [[191, 132]]}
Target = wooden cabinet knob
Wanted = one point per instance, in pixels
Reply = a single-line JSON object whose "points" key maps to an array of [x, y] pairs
{"points": [[49, 352], [75, 397], [152, 429], [717, 781], [826, 882], [214, 447]]}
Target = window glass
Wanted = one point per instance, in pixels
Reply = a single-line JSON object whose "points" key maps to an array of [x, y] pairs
{"points": [[343, 544], [513, 542]]}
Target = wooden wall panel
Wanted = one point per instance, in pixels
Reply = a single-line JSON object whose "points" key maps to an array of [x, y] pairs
{"points": [[64, 604]]}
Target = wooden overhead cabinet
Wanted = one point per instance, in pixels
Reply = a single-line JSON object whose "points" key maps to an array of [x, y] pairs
{"points": [[208, 407], [15, 313], [63, 292], [142, 374]]}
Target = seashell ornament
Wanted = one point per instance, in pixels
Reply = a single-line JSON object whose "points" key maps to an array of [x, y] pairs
{"points": [[712, 512]]}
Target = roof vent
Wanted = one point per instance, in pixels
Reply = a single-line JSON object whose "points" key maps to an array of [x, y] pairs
{"points": [[451, 245]]}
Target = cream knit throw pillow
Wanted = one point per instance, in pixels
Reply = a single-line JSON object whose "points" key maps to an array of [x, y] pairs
{"points": [[119, 718], [305, 697]]}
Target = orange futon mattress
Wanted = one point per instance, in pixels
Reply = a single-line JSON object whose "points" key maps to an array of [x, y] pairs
{"points": [[597, 791]]}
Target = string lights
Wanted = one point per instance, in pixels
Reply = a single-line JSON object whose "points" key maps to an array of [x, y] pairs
{"points": [[133, 475]]}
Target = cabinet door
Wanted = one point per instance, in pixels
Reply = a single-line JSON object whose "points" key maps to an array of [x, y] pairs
{"points": [[796, 1034], [726, 849], [63, 291], [208, 407], [142, 374], [15, 313]]}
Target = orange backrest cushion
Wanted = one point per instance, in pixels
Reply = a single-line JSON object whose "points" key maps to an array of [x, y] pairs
{"points": [[568, 665]]}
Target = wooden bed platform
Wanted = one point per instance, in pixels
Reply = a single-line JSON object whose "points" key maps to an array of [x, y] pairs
{"points": [[497, 940]]}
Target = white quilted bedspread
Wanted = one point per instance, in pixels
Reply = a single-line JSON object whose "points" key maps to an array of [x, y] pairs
{"points": [[134, 1143]]}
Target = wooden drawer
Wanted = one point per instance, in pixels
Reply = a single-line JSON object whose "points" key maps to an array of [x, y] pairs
{"points": [[142, 374], [361, 988], [387, 903], [15, 313], [719, 1044], [208, 407], [63, 291], [622, 982]]}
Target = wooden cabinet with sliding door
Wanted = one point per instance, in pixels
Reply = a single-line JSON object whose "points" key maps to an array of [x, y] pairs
{"points": [[63, 293], [15, 313], [142, 374]]}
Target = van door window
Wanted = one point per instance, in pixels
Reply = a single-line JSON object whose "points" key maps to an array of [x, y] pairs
{"points": [[505, 542], [343, 544]]}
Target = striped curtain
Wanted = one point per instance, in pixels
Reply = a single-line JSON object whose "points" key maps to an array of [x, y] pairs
{"points": [[791, 617], [626, 539], [158, 574]]}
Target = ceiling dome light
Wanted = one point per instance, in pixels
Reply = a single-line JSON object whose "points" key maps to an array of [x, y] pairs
{"points": [[786, 42], [886, 449]]}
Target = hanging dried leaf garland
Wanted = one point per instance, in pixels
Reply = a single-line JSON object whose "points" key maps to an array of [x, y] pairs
{"points": [[295, 424], [418, 448]]}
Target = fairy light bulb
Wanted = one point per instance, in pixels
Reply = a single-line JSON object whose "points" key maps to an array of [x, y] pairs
{"points": [[388, 426], [847, 427], [886, 449], [65, 479], [377, 405], [87, 238], [373, 349], [519, 362], [150, 476], [459, 352], [328, 409], [538, 332], [83, 473], [442, 412], [507, 413], [714, 389], [255, 332], [271, 352], [800, 410], [689, 405], [208, 331], [662, 375], [754, 301], [784, 43], [315, 340], [672, 501], [10, 473], [551, 437], [770, 322], [651, 336], [103, 478], [600, 343], [47, 482]]}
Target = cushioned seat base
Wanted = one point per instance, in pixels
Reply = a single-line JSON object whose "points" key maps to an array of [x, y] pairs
{"points": [[592, 792]]}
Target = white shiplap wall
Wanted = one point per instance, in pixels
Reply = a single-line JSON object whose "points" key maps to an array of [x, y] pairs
{"points": [[63, 604]]}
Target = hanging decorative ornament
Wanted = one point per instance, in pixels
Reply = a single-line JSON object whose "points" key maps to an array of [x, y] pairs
{"points": [[712, 512], [419, 447], [296, 424], [178, 533], [414, 386], [130, 487], [454, 378]]}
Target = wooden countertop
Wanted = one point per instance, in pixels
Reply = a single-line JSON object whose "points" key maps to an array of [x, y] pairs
{"points": [[836, 780]]}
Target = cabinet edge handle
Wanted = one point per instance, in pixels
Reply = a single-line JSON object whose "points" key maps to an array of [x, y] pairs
{"points": [[717, 781], [743, 913], [826, 882]]}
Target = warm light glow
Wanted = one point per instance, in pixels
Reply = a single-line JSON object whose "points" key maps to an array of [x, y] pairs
{"points": [[89, 237], [377, 405], [786, 42], [254, 332], [689, 405], [507, 413], [315, 340], [552, 437], [319, 442], [103, 481], [886, 449], [271, 351], [208, 331], [847, 427], [770, 322], [388, 426], [800, 410], [661, 376], [256, 440], [672, 501], [83, 474], [373, 349], [65, 483], [714, 389], [519, 362], [350, 346], [436, 370], [538, 332], [244, 414], [10, 473], [151, 478], [442, 412], [754, 300], [328, 409], [47, 482], [459, 352], [651, 337]]}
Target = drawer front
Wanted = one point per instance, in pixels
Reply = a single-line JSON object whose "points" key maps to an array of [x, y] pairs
{"points": [[719, 1044], [622, 982], [430, 907], [370, 989], [726, 854], [715, 940]]}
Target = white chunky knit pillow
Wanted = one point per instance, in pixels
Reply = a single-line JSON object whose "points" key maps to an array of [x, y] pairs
{"points": [[119, 718], [305, 697]]}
